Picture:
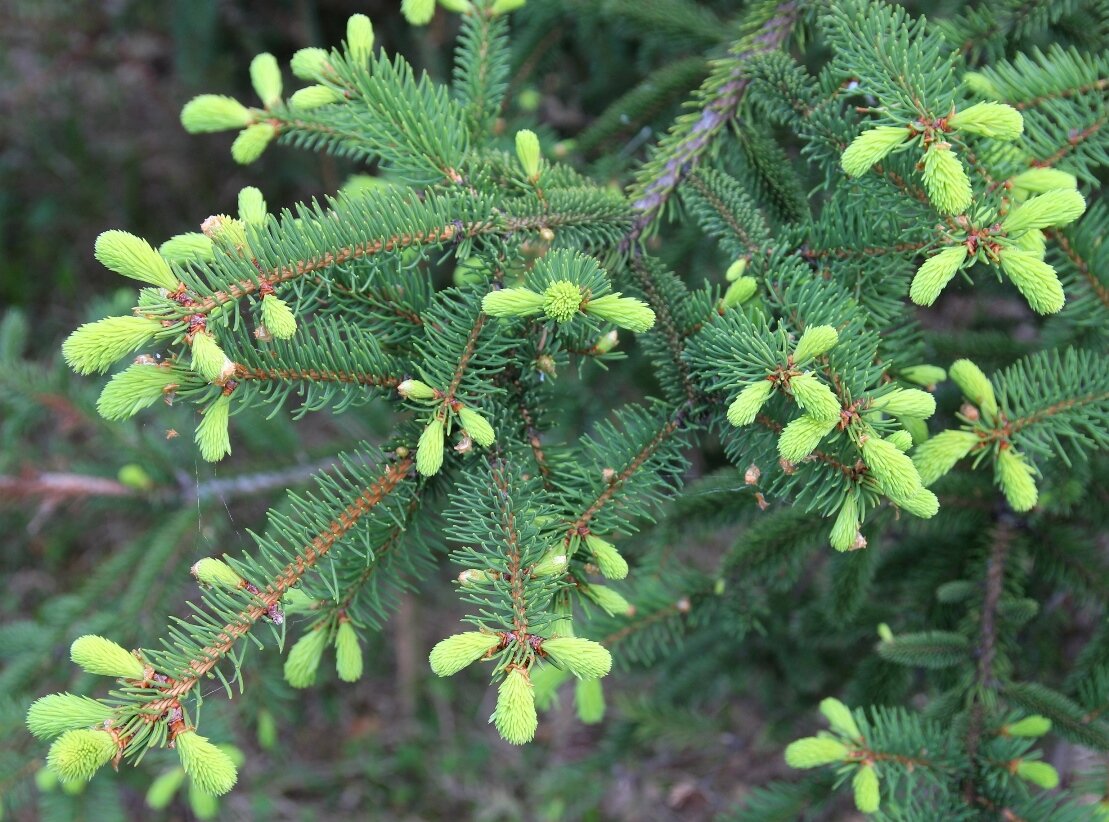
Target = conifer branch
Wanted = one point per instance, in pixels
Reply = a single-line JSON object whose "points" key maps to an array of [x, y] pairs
{"points": [[1074, 140], [665, 324], [863, 252], [481, 69], [580, 525], [517, 581], [532, 435], [1001, 538], [689, 139], [329, 259], [353, 140], [1101, 84], [464, 359], [277, 586], [251, 374], [637, 624], [53, 486], [724, 213], [564, 213], [392, 541], [1083, 267], [1014, 426], [383, 298]]}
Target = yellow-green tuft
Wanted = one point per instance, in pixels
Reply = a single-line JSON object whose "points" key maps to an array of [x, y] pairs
{"points": [[209, 766], [750, 401], [101, 656], [304, 657], [870, 147], [429, 452], [451, 655], [212, 437], [935, 273], [134, 257], [814, 751], [945, 180], [584, 658], [94, 347], [514, 716], [77, 755]]}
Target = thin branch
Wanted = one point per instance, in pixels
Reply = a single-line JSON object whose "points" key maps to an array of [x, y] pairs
{"points": [[381, 550], [279, 585], [723, 211], [1075, 139], [398, 242], [580, 525], [246, 373], [1000, 539], [517, 580], [57, 486], [464, 360], [687, 150], [1083, 267], [675, 338], [1098, 85], [327, 259]]}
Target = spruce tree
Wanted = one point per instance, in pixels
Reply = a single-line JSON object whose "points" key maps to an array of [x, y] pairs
{"points": [[898, 510]]}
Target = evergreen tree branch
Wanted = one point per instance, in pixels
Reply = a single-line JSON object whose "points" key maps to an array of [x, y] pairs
{"points": [[275, 588], [251, 374], [1100, 84], [531, 432], [1001, 539], [1074, 140], [330, 258], [580, 526], [393, 539], [517, 581], [55, 486], [1083, 267], [647, 277], [691, 136], [752, 234], [1014, 426], [481, 69], [464, 359], [389, 222], [643, 622]]}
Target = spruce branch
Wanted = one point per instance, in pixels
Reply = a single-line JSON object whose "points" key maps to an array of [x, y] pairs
{"points": [[1082, 265], [614, 485], [277, 586], [649, 277], [247, 373], [464, 358], [692, 135], [1100, 84], [481, 70], [378, 223], [353, 592], [985, 685]]}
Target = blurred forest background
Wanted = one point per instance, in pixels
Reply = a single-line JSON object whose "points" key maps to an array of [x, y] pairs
{"points": [[101, 521]]}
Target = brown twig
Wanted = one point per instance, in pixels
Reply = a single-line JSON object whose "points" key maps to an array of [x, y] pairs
{"points": [[285, 579], [1001, 538]]}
